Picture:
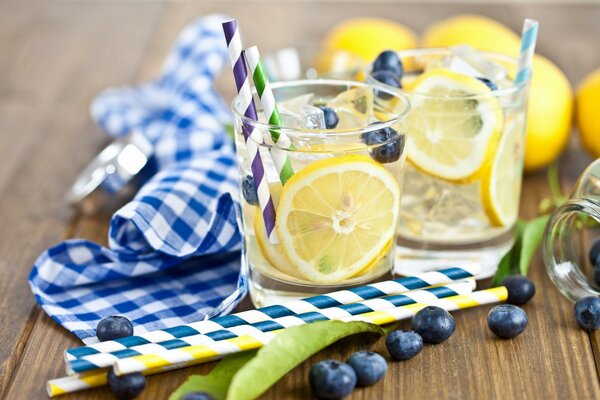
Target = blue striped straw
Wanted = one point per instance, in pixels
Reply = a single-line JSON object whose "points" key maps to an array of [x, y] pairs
{"points": [[528, 39]]}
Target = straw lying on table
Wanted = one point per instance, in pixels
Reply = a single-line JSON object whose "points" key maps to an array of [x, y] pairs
{"points": [[199, 354], [120, 347], [103, 360]]}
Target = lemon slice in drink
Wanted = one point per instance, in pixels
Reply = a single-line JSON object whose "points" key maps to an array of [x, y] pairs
{"points": [[501, 184], [336, 216], [354, 107], [450, 137]]}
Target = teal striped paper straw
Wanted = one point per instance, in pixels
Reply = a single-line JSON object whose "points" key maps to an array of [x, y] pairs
{"points": [[265, 93], [528, 40]]}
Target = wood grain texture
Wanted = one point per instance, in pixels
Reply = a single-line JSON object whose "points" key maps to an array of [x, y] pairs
{"points": [[56, 56]]}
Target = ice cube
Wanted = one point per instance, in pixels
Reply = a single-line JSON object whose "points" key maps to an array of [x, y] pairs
{"points": [[314, 117], [466, 60], [298, 113]]}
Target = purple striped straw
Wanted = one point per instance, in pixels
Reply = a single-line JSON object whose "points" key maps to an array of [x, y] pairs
{"points": [[240, 74]]}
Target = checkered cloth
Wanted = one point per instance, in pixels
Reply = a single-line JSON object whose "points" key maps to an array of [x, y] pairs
{"points": [[173, 254]]}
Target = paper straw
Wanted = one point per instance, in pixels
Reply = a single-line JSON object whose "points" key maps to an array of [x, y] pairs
{"points": [[193, 355], [334, 299], [267, 99], [104, 360], [240, 74], [528, 40]]}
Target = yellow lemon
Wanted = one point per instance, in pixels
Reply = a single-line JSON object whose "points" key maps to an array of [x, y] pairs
{"points": [[336, 216], [477, 31], [549, 114], [367, 37], [588, 100]]}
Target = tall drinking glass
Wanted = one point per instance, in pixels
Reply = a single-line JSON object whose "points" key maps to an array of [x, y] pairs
{"points": [[336, 215]]}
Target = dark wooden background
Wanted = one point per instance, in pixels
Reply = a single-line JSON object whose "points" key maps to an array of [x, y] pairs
{"points": [[56, 56]]}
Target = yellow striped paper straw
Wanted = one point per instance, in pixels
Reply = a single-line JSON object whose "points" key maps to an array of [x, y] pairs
{"points": [[151, 364]]}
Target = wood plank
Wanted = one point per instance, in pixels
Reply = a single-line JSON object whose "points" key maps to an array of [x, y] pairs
{"points": [[55, 58]]}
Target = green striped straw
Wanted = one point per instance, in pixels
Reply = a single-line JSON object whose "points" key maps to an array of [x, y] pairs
{"points": [[265, 93]]}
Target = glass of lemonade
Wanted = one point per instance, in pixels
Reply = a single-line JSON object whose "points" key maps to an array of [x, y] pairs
{"points": [[464, 156], [337, 214]]}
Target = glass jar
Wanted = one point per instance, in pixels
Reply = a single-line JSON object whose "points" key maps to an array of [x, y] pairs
{"points": [[571, 224]]}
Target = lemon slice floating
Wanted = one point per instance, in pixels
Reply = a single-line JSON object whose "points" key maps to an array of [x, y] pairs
{"points": [[452, 139], [354, 107], [336, 216], [501, 185]]}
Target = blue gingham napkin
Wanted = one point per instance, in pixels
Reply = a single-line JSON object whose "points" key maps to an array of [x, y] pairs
{"points": [[173, 254]]}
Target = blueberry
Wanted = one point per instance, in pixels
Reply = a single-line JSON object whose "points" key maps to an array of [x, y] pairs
{"points": [[520, 289], [597, 276], [249, 190], [370, 367], [387, 78], [489, 83], [331, 118], [403, 345], [434, 324], [587, 312], [507, 320], [332, 379], [389, 61], [197, 396], [126, 386], [114, 327], [595, 253], [387, 144]]}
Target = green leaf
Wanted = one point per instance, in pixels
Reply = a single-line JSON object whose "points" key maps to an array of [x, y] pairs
{"points": [[528, 236], [287, 350], [217, 381]]}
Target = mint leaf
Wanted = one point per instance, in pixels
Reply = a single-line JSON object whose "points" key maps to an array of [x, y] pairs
{"points": [[528, 236], [216, 382], [287, 350]]}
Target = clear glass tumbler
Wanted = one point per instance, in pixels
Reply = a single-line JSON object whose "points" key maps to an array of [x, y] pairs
{"points": [[336, 215], [570, 227], [465, 149]]}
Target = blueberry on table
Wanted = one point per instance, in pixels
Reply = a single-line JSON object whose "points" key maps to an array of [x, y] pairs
{"points": [[507, 321], [387, 144], [595, 253], [127, 386], [403, 345], [489, 83], [249, 190], [387, 78], [587, 312], [520, 289], [197, 396], [332, 379], [114, 327], [434, 324], [331, 118], [389, 61], [370, 367]]}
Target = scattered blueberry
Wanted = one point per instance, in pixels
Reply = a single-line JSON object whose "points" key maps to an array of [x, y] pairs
{"points": [[587, 312], [520, 289], [434, 324], [507, 320], [389, 61], [595, 253], [114, 327], [249, 190], [197, 396], [331, 118], [127, 386], [403, 345], [332, 379], [489, 83], [387, 78], [388, 152], [370, 367]]}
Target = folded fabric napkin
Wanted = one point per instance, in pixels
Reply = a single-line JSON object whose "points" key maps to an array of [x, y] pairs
{"points": [[173, 250]]}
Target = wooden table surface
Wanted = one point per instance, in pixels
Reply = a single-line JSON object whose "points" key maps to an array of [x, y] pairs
{"points": [[55, 57]]}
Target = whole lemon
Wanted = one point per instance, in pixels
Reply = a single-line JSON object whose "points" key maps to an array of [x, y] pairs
{"points": [[474, 30], [588, 105], [367, 37], [549, 114]]}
